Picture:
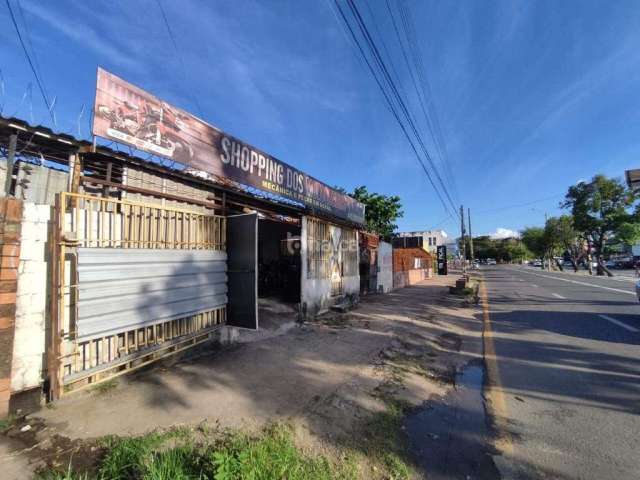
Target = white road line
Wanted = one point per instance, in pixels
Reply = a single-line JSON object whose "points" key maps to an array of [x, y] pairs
{"points": [[534, 285], [580, 283], [559, 296], [619, 323]]}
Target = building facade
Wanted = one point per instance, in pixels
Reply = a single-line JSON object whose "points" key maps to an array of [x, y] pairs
{"points": [[189, 260], [429, 240]]}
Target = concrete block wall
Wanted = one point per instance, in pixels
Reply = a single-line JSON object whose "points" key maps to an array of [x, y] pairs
{"points": [[10, 226], [31, 302], [385, 267]]}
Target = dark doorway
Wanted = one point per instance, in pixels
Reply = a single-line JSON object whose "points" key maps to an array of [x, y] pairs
{"points": [[279, 260], [278, 272], [368, 270]]}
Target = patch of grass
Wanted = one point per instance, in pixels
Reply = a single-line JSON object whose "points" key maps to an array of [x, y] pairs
{"points": [[274, 455], [232, 456], [127, 457], [6, 423], [105, 387]]}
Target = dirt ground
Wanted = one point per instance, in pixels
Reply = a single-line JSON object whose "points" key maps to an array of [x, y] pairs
{"points": [[321, 377]]}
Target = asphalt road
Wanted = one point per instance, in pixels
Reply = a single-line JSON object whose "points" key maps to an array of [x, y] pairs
{"points": [[568, 357]]}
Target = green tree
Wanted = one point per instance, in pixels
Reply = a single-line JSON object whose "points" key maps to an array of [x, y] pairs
{"points": [[558, 233], [534, 239], [629, 233], [516, 251], [599, 209], [381, 211], [562, 234]]}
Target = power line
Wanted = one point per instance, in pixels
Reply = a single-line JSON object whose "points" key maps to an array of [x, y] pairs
{"points": [[33, 69], [194, 99], [441, 146], [518, 205], [30, 44], [394, 89], [411, 75], [386, 97], [395, 95]]}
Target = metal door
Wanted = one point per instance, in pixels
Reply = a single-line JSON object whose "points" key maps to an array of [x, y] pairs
{"points": [[242, 270]]}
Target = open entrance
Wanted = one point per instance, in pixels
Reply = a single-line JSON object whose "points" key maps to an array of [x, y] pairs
{"points": [[278, 272]]}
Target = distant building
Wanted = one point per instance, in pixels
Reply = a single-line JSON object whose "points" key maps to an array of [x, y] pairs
{"points": [[633, 181], [633, 178], [428, 240]]}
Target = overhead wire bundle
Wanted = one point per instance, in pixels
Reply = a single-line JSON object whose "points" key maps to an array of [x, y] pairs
{"points": [[396, 99]]}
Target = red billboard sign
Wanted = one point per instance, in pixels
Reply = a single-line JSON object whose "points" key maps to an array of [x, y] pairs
{"points": [[127, 114]]}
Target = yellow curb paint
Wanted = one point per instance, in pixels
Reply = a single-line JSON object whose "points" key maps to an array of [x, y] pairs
{"points": [[495, 392]]}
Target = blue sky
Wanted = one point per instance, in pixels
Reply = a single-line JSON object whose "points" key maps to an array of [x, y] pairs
{"points": [[531, 96]]}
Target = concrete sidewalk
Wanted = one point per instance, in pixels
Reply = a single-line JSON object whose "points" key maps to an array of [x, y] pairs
{"points": [[318, 376]]}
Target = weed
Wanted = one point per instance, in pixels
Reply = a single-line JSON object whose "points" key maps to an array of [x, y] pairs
{"points": [[65, 475], [105, 387], [233, 456], [6, 423], [273, 455], [126, 456]]}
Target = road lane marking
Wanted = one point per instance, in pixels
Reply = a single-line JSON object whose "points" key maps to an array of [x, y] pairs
{"points": [[559, 296], [533, 285], [619, 323], [581, 283], [497, 403]]}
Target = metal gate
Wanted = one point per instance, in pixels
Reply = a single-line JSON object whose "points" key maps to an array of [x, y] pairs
{"points": [[242, 231], [132, 283]]}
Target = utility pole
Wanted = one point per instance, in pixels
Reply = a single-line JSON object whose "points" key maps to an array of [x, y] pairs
{"points": [[464, 243], [471, 256]]}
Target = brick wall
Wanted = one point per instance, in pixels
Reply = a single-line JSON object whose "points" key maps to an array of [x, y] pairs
{"points": [[10, 225], [404, 259]]}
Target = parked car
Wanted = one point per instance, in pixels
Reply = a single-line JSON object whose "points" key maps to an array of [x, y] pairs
{"points": [[626, 262], [536, 263], [491, 261]]}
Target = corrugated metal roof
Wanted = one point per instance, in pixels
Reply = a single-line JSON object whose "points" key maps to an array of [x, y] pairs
{"points": [[633, 178]]}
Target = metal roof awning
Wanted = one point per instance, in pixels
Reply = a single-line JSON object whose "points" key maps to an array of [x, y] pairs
{"points": [[41, 141]]}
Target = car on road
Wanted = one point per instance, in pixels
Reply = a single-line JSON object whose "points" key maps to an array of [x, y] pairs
{"points": [[536, 263], [491, 261]]}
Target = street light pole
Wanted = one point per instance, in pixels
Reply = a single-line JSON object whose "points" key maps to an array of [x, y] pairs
{"points": [[464, 244], [471, 255]]}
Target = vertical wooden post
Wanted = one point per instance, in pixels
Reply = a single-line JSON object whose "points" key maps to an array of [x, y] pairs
{"points": [[53, 358], [13, 141]]}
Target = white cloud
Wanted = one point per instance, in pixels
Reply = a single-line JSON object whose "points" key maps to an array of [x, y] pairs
{"points": [[503, 233]]}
